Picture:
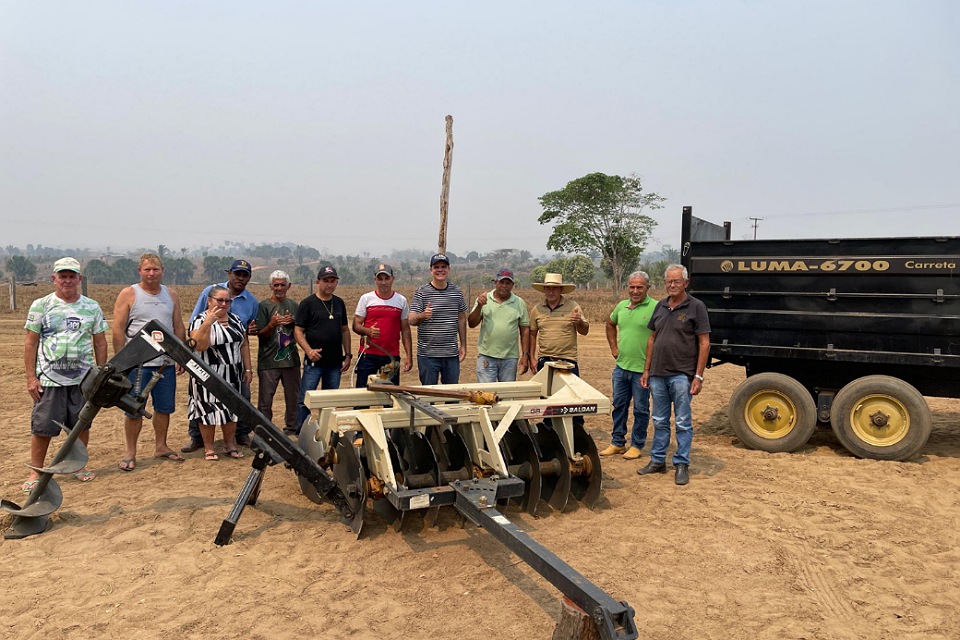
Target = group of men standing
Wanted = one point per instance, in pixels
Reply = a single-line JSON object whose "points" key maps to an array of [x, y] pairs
{"points": [[660, 348]]}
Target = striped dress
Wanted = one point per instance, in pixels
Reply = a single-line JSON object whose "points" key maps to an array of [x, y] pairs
{"points": [[223, 356]]}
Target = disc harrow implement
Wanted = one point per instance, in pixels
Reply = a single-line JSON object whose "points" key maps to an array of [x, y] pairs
{"points": [[401, 448]]}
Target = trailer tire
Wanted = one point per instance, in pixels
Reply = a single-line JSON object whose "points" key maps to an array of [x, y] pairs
{"points": [[773, 413], [882, 418]]}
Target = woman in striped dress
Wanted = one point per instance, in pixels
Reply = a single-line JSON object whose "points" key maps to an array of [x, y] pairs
{"points": [[222, 344]]}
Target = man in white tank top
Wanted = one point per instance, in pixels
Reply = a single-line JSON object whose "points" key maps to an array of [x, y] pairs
{"points": [[135, 306]]}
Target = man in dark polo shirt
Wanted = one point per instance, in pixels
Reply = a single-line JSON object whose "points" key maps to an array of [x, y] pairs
{"points": [[677, 353]]}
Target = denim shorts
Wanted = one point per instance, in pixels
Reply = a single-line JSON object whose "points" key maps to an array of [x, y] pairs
{"points": [[163, 395]]}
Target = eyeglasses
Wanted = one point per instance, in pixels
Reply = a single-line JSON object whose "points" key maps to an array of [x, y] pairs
{"points": [[676, 283], [222, 300]]}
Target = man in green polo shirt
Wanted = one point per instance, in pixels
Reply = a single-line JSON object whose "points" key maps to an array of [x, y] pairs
{"points": [[504, 331], [629, 348]]}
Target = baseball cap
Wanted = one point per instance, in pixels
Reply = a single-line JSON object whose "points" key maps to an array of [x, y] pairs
{"points": [[66, 264], [383, 268], [327, 271], [439, 257], [504, 274], [240, 265]]}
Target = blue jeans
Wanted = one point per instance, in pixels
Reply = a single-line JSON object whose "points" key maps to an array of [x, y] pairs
{"points": [[313, 377], [671, 390], [496, 369], [369, 364], [626, 387], [435, 370]]}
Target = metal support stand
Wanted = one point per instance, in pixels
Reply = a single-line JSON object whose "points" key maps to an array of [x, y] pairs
{"points": [[248, 495], [476, 499]]}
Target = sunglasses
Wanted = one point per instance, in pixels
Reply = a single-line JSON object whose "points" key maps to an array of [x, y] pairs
{"points": [[222, 300]]}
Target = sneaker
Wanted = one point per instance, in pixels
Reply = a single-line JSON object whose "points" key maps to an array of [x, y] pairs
{"points": [[632, 454], [613, 450], [192, 446]]}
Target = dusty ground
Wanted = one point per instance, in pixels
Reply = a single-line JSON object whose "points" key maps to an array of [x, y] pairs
{"points": [[814, 544]]}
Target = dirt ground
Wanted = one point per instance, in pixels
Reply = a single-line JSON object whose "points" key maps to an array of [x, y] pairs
{"points": [[813, 545]]}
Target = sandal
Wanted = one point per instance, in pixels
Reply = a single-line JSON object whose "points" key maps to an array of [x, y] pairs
{"points": [[86, 476], [233, 453], [210, 456], [28, 486]]}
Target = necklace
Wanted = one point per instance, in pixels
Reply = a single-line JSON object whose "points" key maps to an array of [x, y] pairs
{"points": [[328, 310]]}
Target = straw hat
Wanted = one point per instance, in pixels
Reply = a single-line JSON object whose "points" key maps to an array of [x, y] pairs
{"points": [[553, 280]]}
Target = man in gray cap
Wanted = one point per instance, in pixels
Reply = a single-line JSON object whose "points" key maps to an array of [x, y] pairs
{"points": [[66, 336], [381, 321]]}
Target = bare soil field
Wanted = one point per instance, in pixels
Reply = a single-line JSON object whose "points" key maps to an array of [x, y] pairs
{"points": [[810, 545]]}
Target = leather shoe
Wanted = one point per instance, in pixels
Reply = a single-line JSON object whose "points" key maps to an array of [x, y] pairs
{"points": [[192, 446], [682, 476], [652, 467], [632, 454], [613, 450]]}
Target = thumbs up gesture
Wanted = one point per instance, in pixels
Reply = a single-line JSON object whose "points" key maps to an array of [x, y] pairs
{"points": [[374, 331], [427, 313]]}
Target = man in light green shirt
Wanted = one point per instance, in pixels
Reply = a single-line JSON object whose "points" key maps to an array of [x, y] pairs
{"points": [[504, 332], [629, 348]]}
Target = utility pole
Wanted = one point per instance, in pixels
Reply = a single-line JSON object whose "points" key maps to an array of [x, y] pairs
{"points": [[445, 187], [756, 223]]}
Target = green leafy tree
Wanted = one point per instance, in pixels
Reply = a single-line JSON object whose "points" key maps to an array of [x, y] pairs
{"points": [[602, 213], [21, 268], [576, 269], [98, 271], [215, 266], [124, 271], [179, 271]]}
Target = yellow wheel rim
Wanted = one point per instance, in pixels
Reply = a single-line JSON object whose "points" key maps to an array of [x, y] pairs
{"points": [[880, 420], [770, 414]]}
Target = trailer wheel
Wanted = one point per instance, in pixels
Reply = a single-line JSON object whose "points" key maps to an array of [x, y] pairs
{"points": [[772, 412], [881, 417]]}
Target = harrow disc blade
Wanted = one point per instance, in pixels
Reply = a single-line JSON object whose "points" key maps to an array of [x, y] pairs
{"points": [[316, 451], [76, 459], [418, 463], [43, 505], [349, 476], [554, 466], [453, 459], [383, 506], [586, 486], [522, 461]]}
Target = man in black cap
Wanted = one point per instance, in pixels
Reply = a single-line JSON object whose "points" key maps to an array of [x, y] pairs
{"points": [[244, 305], [323, 333], [440, 313]]}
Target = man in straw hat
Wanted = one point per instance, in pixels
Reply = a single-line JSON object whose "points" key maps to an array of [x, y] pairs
{"points": [[555, 323]]}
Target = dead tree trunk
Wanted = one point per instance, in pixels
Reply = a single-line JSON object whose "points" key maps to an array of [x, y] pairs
{"points": [[445, 187]]}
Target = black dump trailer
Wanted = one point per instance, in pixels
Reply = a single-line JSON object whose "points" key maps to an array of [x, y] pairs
{"points": [[853, 332]]}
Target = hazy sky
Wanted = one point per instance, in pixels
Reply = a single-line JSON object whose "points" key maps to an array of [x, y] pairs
{"points": [[131, 124]]}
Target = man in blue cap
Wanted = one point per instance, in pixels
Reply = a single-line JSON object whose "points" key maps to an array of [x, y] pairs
{"points": [[245, 305]]}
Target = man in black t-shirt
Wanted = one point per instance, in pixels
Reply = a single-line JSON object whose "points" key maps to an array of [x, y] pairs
{"points": [[322, 332]]}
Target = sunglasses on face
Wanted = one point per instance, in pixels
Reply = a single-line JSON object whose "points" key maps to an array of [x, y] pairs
{"points": [[222, 300]]}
